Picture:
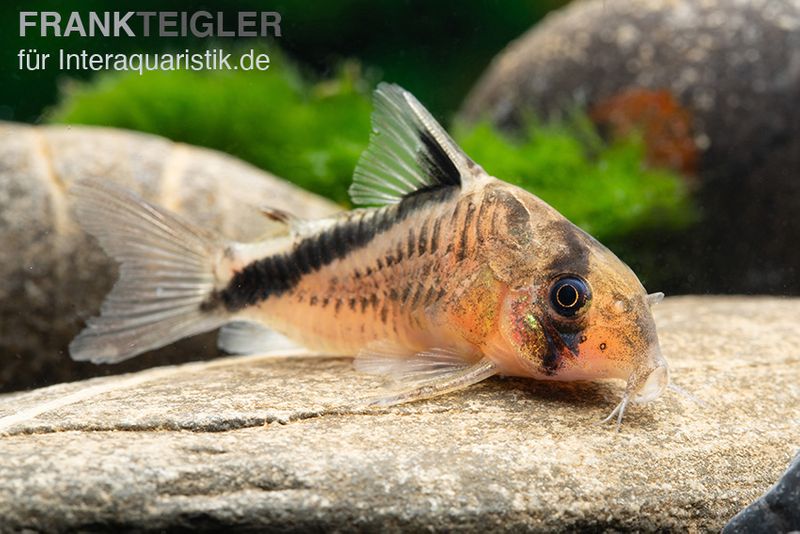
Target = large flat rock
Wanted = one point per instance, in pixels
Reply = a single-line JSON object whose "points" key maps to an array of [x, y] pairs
{"points": [[246, 442]]}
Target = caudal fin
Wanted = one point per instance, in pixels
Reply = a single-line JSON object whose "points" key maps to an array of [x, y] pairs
{"points": [[166, 273]]}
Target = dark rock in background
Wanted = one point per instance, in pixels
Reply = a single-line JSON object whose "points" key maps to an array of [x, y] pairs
{"points": [[733, 67], [777, 511], [53, 276]]}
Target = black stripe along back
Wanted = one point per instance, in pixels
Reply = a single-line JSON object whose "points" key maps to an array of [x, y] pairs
{"points": [[279, 273]]}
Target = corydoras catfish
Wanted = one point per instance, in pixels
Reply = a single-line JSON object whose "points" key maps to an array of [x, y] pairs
{"points": [[444, 277]]}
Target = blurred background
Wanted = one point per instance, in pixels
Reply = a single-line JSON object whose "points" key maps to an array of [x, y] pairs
{"points": [[668, 130]]}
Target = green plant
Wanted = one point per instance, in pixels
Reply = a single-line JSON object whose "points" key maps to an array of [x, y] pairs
{"points": [[309, 132]]}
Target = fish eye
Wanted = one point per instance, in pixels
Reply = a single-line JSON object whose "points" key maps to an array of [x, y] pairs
{"points": [[568, 295]]}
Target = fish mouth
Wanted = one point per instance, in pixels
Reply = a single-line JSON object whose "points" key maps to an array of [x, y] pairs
{"points": [[654, 384]]}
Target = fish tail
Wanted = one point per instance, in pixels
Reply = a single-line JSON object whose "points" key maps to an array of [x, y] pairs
{"points": [[167, 271]]}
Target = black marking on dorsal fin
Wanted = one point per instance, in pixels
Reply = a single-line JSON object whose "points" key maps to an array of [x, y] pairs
{"points": [[437, 163], [409, 153]]}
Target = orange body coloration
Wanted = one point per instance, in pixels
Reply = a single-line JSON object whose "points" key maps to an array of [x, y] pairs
{"points": [[451, 276]]}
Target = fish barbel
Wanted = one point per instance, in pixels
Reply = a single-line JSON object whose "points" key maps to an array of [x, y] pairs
{"points": [[447, 276]]}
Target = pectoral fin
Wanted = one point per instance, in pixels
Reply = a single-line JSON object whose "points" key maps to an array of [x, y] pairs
{"points": [[420, 375]]}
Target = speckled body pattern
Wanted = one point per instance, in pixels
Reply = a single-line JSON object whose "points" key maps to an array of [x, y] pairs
{"points": [[440, 274], [413, 283]]}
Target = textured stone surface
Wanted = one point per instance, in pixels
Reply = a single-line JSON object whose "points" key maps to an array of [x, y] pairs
{"points": [[733, 65], [203, 445], [52, 276]]}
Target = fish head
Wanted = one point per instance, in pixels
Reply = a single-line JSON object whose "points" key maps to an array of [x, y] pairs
{"points": [[578, 312], [614, 334]]}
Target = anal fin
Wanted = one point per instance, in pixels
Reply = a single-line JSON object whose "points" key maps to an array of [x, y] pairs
{"points": [[245, 337]]}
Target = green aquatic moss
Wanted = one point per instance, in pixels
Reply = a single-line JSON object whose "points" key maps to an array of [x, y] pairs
{"points": [[309, 132], [605, 188], [313, 131]]}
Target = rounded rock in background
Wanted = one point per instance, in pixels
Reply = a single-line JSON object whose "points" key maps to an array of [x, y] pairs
{"points": [[53, 276], [730, 69]]}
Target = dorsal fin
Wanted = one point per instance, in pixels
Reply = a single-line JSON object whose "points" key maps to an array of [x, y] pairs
{"points": [[408, 152]]}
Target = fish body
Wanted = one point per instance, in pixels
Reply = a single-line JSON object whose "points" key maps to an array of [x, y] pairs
{"points": [[450, 276]]}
